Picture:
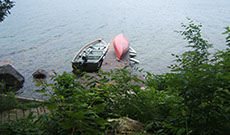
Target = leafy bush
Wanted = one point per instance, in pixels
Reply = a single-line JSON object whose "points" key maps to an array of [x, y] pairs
{"points": [[75, 109], [5, 6], [8, 102], [23, 126], [205, 84], [202, 81]]}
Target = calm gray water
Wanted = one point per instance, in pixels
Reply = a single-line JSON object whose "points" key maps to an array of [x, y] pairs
{"points": [[47, 33]]}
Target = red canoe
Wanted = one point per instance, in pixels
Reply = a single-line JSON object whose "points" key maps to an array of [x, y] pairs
{"points": [[121, 45]]}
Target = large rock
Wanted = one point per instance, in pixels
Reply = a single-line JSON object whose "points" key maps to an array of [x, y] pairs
{"points": [[10, 78]]}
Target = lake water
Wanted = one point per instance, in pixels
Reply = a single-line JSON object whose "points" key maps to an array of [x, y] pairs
{"points": [[47, 33]]}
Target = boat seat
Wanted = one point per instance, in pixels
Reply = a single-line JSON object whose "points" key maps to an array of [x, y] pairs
{"points": [[96, 52], [98, 45], [94, 55], [92, 61]]}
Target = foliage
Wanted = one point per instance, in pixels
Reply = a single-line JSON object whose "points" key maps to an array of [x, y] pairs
{"points": [[202, 80], [85, 107], [75, 108], [5, 6], [228, 37], [205, 84], [8, 102], [23, 126]]}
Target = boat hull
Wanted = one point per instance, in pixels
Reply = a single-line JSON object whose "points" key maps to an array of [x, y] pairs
{"points": [[121, 45]]}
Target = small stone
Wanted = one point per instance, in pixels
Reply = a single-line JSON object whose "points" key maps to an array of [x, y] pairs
{"points": [[40, 74]]}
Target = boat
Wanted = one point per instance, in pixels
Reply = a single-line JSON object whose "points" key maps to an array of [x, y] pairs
{"points": [[121, 45], [90, 57]]}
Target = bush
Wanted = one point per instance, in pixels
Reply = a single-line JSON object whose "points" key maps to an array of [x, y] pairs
{"points": [[202, 81], [75, 109], [23, 126], [8, 102]]}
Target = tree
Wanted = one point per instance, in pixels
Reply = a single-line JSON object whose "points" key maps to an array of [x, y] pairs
{"points": [[5, 6]]}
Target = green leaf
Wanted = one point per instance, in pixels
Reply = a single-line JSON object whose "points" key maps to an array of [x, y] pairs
{"points": [[87, 76], [91, 94], [99, 107], [101, 121], [45, 95], [43, 90], [52, 106], [84, 105], [67, 124], [98, 98], [79, 115], [180, 131], [184, 113]]}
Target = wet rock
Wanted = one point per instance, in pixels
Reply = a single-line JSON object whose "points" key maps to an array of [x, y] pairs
{"points": [[10, 78], [40, 74]]}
